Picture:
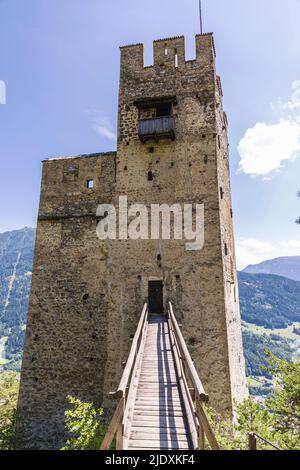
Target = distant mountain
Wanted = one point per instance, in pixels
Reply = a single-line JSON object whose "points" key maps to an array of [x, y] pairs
{"points": [[270, 311], [288, 266], [269, 300], [16, 257]]}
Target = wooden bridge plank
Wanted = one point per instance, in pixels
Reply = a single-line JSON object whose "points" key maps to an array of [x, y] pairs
{"points": [[151, 405], [160, 421], [159, 413], [157, 392], [159, 444], [158, 382], [165, 386], [168, 430], [160, 399], [158, 378], [170, 409], [159, 418], [168, 435]]}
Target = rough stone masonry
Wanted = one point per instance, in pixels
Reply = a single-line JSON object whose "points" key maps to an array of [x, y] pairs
{"points": [[87, 294]]}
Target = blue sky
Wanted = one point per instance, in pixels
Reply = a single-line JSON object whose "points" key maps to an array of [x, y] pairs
{"points": [[59, 60]]}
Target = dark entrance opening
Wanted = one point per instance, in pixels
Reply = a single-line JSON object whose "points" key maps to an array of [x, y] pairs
{"points": [[155, 294]]}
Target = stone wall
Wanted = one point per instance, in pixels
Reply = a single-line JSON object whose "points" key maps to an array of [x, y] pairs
{"points": [[67, 330], [87, 294]]}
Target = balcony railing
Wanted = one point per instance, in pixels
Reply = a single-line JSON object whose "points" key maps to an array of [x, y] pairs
{"points": [[157, 128]]}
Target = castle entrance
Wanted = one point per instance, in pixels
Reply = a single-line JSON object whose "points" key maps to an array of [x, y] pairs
{"points": [[155, 297]]}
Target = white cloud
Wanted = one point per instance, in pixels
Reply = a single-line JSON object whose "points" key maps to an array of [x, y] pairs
{"points": [[265, 146], [253, 251], [102, 125], [105, 132], [2, 92], [294, 102]]}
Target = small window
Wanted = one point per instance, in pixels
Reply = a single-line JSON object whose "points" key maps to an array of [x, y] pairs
{"points": [[90, 184], [226, 249], [150, 176], [221, 193], [176, 58], [166, 51]]}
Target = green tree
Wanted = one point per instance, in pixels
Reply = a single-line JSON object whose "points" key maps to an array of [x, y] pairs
{"points": [[284, 404], [277, 421], [224, 430], [254, 417], [84, 425], [9, 387], [250, 417]]}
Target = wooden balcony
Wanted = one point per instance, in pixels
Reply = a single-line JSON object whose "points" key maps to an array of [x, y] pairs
{"points": [[157, 128]]}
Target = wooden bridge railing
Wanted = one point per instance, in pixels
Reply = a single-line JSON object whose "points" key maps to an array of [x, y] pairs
{"points": [[117, 425], [192, 389], [253, 438]]}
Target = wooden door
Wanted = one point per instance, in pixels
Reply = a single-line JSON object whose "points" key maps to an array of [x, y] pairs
{"points": [[155, 294]]}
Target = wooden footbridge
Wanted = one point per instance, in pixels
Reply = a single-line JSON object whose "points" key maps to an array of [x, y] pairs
{"points": [[160, 396]]}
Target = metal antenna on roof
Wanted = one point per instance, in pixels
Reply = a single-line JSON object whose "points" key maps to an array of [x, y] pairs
{"points": [[200, 13]]}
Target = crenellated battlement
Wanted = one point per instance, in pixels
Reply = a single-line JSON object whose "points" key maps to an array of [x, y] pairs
{"points": [[169, 53]]}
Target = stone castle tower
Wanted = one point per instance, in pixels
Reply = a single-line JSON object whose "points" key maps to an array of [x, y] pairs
{"points": [[87, 294]]}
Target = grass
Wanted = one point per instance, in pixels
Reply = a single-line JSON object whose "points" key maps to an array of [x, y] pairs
{"points": [[284, 332], [253, 382]]}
